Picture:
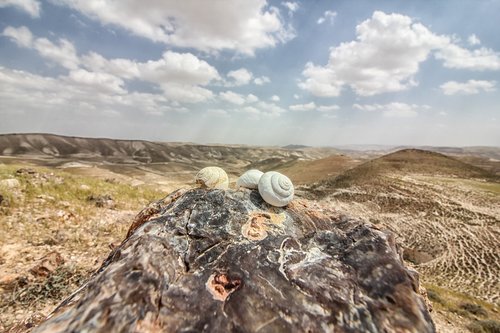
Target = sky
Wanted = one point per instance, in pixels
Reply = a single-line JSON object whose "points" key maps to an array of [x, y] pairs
{"points": [[320, 73]]}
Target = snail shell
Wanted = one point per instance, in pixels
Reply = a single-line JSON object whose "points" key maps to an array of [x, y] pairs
{"points": [[276, 189], [249, 179], [212, 177]]}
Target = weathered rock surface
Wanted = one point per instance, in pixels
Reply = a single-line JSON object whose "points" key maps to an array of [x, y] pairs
{"points": [[224, 261]]}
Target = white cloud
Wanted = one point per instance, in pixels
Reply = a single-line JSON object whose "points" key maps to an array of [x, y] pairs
{"points": [[238, 99], [473, 40], [385, 57], [104, 82], [328, 108], [264, 110], [296, 96], [180, 75], [182, 68], [232, 97], [22, 36], [303, 107], [63, 53], [275, 98], [292, 6], [327, 15], [261, 80], [218, 113], [32, 7], [252, 98], [240, 77], [393, 110], [479, 59], [467, 88], [238, 25], [312, 106], [86, 92]]}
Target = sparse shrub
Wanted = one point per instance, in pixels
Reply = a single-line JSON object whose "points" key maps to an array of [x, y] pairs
{"points": [[434, 296], [484, 326], [475, 309], [57, 285]]}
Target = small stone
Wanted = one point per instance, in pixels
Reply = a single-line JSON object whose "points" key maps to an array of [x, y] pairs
{"points": [[10, 183], [48, 264]]}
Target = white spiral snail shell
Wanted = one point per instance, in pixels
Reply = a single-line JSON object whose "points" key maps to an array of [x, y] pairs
{"points": [[212, 177], [249, 179], [276, 189]]}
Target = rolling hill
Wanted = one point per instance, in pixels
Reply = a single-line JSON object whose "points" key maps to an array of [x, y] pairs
{"points": [[140, 151], [445, 212]]}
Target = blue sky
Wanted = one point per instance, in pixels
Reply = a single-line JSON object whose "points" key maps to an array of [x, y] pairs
{"points": [[255, 72]]}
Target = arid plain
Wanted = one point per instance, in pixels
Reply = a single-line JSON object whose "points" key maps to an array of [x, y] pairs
{"points": [[65, 201]]}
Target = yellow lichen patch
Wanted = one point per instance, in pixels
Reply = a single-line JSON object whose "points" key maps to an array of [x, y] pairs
{"points": [[259, 223]]}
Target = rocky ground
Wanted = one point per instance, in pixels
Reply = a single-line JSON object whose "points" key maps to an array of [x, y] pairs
{"points": [[58, 225]]}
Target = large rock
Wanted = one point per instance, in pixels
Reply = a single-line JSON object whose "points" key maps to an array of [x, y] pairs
{"points": [[224, 261]]}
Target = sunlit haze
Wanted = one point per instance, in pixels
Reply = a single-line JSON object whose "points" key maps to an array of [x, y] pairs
{"points": [[320, 73]]}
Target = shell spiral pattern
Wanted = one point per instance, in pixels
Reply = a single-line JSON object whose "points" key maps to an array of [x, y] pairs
{"points": [[249, 179], [212, 177], [276, 189]]}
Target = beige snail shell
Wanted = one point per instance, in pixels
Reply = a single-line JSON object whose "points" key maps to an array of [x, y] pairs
{"points": [[249, 179], [276, 189], [212, 177]]}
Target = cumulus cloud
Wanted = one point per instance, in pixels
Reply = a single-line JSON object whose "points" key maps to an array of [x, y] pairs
{"points": [[261, 80], [32, 7], [473, 40], [328, 108], [291, 6], [104, 82], [22, 36], [263, 110], [312, 106], [240, 77], [480, 59], [386, 56], [62, 53], [239, 25], [327, 15], [393, 110], [470, 87], [181, 76], [85, 91], [238, 99], [275, 98], [303, 107]]}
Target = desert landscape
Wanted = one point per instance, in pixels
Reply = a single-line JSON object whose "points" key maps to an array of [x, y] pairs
{"points": [[65, 202]]}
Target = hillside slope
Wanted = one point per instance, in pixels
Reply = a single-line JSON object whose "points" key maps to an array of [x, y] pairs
{"points": [[445, 212], [139, 151]]}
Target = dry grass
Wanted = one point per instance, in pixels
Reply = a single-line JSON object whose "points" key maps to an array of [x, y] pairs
{"points": [[50, 211]]}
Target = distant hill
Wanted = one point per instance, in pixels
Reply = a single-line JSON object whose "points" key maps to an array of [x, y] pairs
{"points": [[307, 172], [408, 161], [295, 147], [140, 151]]}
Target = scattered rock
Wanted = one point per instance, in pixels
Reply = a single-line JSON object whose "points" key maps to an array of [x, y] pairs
{"points": [[47, 264], [12, 281], [27, 323], [26, 171], [10, 183], [44, 197], [102, 200], [84, 187], [4, 201]]}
